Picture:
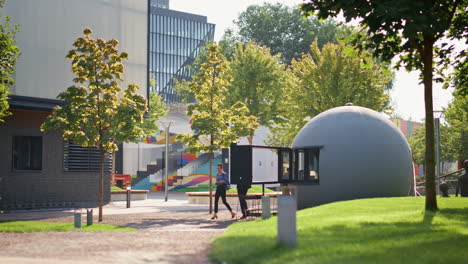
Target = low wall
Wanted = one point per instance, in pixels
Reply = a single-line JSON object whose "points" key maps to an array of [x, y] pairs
{"points": [[135, 195]]}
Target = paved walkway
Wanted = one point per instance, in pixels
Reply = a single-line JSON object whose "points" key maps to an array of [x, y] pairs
{"points": [[167, 232]]}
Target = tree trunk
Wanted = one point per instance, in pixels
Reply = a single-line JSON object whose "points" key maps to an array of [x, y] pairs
{"points": [[211, 182], [431, 199], [250, 137], [101, 183]]}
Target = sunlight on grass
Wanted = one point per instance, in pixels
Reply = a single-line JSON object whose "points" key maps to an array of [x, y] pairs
{"points": [[380, 230], [30, 226]]}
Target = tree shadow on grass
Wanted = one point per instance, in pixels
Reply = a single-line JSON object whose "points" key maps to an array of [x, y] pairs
{"points": [[368, 242]]}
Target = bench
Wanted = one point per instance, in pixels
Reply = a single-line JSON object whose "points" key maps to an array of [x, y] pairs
{"points": [[135, 195]]}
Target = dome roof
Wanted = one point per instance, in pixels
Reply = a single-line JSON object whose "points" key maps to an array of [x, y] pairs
{"points": [[362, 155], [349, 125]]}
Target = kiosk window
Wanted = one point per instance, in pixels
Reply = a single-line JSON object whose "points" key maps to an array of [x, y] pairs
{"points": [[307, 165], [285, 165]]}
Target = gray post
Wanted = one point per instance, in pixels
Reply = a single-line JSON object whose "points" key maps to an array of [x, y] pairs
{"points": [[89, 217], [266, 211], [167, 125], [437, 139], [77, 220], [287, 233], [129, 196]]}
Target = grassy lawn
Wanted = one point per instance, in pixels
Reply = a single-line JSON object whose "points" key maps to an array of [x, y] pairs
{"points": [[380, 230], [31, 226], [253, 189]]}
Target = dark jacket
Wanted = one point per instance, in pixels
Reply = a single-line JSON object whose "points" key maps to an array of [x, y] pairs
{"points": [[462, 185]]}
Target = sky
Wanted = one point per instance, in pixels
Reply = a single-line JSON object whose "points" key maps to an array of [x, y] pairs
{"points": [[407, 94]]}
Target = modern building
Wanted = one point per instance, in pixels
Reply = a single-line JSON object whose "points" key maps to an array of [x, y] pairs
{"points": [[40, 169], [175, 40]]}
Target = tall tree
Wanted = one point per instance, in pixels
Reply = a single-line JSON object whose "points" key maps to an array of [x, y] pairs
{"points": [[258, 80], [448, 144], [98, 114], [217, 126], [412, 30], [283, 29], [327, 78], [9, 53]]}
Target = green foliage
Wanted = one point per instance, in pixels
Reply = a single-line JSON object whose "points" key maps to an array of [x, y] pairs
{"points": [[31, 226], [381, 230], [157, 109], [449, 144], [97, 113], [456, 115], [283, 29], [258, 81], [418, 32], [9, 53], [330, 77], [217, 125]]}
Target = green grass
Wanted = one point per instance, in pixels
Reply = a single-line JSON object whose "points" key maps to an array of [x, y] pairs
{"points": [[204, 188], [115, 188], [253, 189], [31, 226], [380, 230]]}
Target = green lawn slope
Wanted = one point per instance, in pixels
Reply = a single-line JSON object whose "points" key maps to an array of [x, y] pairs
{"points": [[380, 230]]}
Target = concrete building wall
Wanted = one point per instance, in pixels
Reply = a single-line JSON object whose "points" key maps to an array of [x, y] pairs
{"points": [[51, 186], [48, 29]]}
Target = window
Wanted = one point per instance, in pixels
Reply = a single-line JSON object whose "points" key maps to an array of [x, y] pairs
{"points": [[285, 165], [306, 164], [27, 153]]}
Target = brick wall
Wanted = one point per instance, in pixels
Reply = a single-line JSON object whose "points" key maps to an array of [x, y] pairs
{"points": [[51, 186]]}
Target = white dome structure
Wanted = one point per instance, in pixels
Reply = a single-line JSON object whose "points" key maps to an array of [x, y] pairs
{"points": [[360, 153]]}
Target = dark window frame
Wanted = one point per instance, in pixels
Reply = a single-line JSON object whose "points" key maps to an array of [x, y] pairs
{"points": [[38, 165]]}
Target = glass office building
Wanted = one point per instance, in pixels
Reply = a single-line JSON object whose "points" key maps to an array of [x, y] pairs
{"points": [[175, 40]]}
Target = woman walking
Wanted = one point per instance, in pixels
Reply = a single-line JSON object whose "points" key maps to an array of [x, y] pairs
{"points": [[222, 182]]}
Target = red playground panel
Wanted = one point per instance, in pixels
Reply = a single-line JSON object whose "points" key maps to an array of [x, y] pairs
{"points": [[122, 180]]}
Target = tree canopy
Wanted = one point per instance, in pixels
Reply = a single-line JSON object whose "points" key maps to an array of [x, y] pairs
{"points": [[414, 31], [456, 115], [216, 124], [330, 77], [258, 81], [98, 113], [9, 53], [283, 29]]}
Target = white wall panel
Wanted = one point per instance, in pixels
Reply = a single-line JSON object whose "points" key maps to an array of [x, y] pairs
{"points": [[48, 29]]}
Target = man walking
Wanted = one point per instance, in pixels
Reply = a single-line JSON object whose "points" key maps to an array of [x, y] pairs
{"points": [[462, 184]]}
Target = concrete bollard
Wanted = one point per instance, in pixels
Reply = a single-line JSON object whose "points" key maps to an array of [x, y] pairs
{"points": [[287, 233], [266, 210], [77, 220], [89, 217]]}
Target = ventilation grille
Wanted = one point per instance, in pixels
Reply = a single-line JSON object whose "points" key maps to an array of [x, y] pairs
{"points": [[78, 158]]}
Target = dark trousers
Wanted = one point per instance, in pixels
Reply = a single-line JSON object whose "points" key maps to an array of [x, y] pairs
{"points": [[242, 192], [221, 192]]}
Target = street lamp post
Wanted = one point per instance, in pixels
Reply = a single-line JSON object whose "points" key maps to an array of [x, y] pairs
{"points": [[166, 125], [438, 154]]}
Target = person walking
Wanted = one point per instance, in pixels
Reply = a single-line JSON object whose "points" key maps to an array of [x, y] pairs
{"points": [[222, 183], [242, 193], [462, 184]]}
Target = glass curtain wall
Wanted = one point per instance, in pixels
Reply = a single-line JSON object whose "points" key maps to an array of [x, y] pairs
{"points": [[175, 40]]}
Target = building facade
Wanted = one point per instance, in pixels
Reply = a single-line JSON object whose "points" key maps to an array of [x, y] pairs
{"points": [[175, 40], [41, 170]]}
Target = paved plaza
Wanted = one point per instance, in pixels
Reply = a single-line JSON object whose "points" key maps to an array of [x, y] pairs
{"points": [[167, 232]]}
